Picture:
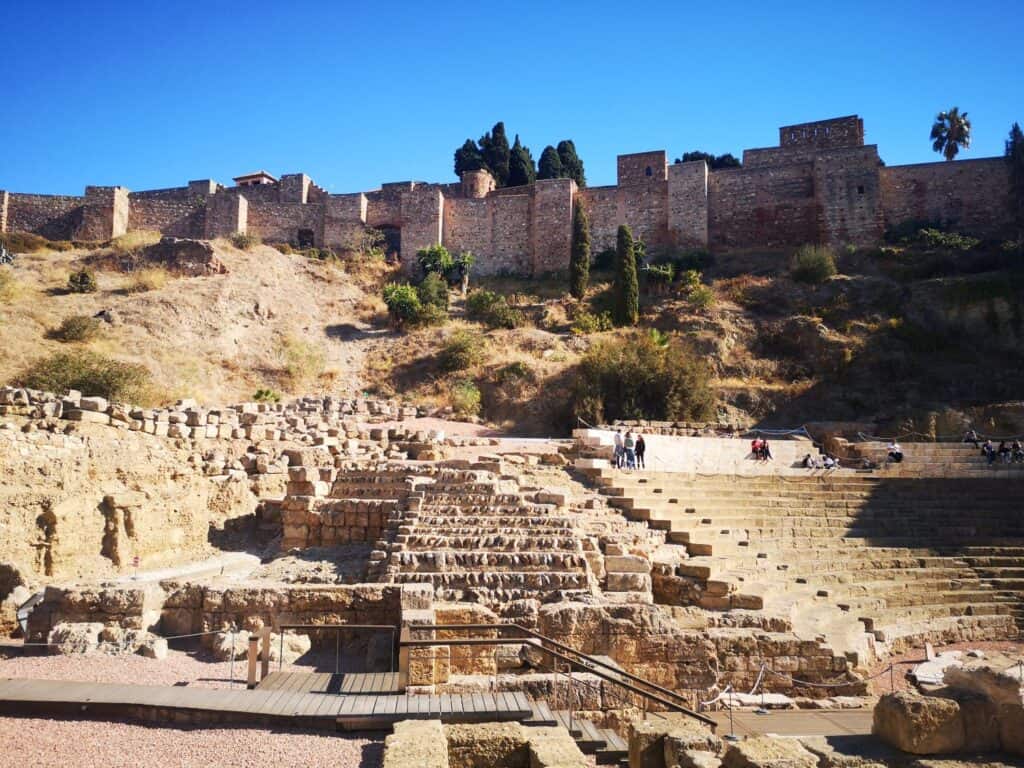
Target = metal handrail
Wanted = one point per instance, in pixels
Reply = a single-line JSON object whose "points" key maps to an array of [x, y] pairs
{"points": [[337, 639], [589, 661], [583, 661]]}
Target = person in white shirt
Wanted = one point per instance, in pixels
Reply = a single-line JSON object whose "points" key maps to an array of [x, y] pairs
{"points": [[895, 452]]}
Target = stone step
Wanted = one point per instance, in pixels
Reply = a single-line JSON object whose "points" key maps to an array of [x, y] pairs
{"points": [[459, 561], [528, 580], [501, 543]]}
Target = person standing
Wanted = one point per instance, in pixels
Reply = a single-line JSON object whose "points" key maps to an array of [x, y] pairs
{"points": [[617, 459], [641, 449], [630, 445]]}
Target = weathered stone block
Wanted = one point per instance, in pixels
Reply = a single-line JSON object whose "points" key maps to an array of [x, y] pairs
{"points": [[921, 725]]}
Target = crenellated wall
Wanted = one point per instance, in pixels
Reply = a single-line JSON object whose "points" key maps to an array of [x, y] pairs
{"points": [[822, 184]]}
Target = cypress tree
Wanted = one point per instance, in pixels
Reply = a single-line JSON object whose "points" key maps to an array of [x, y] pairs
{"points": [[627, 290], [521, 170], [579, 263], [468, 158], [550, 166], [1015, 159], [572, 166], [496, 152]]}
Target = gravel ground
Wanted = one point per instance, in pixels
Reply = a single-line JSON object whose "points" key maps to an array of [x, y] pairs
{"points": [[43, 742], [907, 661]]}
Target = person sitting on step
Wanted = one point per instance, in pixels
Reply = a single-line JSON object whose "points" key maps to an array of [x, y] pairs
{"points": [[895, 452], [1018, 451], [766, 452], [755, 448], [988, 450], [1004, 452], [971, 437]]}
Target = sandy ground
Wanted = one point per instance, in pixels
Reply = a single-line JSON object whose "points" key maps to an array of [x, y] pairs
{"points": [[43, 742], [49, 742], [906, 662]]}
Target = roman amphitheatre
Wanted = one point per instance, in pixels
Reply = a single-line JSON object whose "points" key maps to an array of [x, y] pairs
{"points": [[287, 475]]}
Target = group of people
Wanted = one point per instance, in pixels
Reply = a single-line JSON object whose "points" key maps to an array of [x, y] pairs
{"points": [[760, 449], [629, 451], [1013, 452], [825, 461]]}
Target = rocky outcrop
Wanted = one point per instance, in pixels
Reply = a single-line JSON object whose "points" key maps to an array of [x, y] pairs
{"points": [[191, 258], [921, 725], [416, 744], [768, 752]]}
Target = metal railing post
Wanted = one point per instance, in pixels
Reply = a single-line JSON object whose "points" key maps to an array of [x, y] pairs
{"points": [[571, 700], [254, 651], [280, 652], [265, 659], [231, 676], [337, 649]]}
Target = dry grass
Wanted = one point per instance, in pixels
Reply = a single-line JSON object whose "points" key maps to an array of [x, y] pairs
{"points": [[10, 288], [302, 363], [134, 241], [147, 279]]}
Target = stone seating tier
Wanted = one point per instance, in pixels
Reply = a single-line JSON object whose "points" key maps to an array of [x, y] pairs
{"points": [[896, 553]]}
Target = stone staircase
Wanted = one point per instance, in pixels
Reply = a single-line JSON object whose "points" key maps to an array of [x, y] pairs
{"points": [[932, 558], [607, 746], [479, 538], [935, 460]]}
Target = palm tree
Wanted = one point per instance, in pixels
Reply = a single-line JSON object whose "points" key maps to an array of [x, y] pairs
{"points": [[950, 132]]}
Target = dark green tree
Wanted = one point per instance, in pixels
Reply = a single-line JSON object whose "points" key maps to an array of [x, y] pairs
{"points": [[521, 170], [579, 262], [572, 166], [715, 162], [468, 158], [627, 289], [1015, 158], [951, 131], [496, 153], [550, 166]]}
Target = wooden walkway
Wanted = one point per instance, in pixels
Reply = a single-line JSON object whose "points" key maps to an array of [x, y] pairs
{"points": [[286, 703], [326, 682]]}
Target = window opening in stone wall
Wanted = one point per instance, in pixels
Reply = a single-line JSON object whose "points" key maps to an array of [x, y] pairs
{"points": [[860, 189], [305, 238], [648, 171]]}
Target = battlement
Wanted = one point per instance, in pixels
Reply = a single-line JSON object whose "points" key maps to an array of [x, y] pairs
{"points": [[822, 184]]}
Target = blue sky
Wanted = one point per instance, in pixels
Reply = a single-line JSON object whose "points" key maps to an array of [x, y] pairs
{"points": [[150, 95]]}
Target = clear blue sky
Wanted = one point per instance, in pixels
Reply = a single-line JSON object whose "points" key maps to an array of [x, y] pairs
{"points": [[151, 94]]}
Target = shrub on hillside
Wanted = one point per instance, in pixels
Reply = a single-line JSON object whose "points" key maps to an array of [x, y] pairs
{"points": [[812, 264], [403, 303], [465, 399], [639, 377], [438, 260], [433, 291], [82, 281], [90, 373], [585, 322], [462, 350], [243, 241], [303, 362], [658, 277], [147, 279], [954, 241], [266, 396], [701, 297], [77, 328], [493, 310]]}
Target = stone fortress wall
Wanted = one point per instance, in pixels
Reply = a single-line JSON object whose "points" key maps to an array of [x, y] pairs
{"points": [[822, 184]]}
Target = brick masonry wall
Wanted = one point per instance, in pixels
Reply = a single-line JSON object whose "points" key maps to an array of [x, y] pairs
{"points": [[603, 208], [846, 185], [344, 220], [767, 207], [552, 225], [645, 210], [105, 214], [969, 194], [5, 199], [824, 134], [384, 208], [281, 222], [226, 213], [688, 204], [641, 167], [422, 215], [56, 217], [467, 227], [179, 212], [511, 244]]}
